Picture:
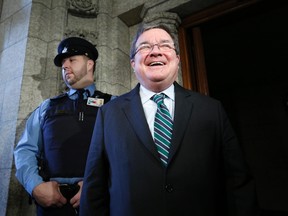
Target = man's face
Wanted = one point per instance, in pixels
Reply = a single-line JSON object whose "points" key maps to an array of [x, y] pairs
{"points": [[155, 62], [77, 72]]}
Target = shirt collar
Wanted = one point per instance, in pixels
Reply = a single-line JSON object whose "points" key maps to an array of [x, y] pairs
{"points": [[91, 88], [146, 94]]}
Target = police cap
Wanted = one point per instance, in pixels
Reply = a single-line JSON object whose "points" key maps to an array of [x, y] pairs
{"points": [[75, 46]]}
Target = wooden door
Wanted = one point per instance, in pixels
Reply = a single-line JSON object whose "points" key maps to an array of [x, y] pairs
{"points": [[237, 53]]}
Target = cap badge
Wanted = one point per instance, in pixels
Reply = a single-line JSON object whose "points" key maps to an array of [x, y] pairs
{"points": [[65, 50]]}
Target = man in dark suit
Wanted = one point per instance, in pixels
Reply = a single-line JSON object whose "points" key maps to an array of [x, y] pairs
{"points": [[134, 168]]}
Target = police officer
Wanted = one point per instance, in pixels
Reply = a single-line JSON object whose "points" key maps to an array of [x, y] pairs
{"points": [[50, 157]]}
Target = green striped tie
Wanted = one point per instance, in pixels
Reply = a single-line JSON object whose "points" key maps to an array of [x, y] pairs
{"points": [[163, 126]]}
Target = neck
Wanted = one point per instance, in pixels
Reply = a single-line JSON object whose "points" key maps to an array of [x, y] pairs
{"points": [[82, 85], [154, 87]]}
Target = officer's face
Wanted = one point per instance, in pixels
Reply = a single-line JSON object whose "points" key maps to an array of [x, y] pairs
{"points": [[77, 71]]}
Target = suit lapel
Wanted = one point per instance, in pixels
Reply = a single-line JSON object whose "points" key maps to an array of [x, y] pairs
{"points": [[133, 110], [134, 113], [183, 110]]}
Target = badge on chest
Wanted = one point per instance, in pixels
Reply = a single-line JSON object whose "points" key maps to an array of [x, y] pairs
{"points": [[97, 102]]}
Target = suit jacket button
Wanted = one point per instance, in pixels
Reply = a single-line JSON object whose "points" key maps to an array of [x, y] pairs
{"points": [[169, 188]]}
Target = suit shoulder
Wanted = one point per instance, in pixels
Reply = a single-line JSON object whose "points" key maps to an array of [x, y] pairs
{"points": [[201, 98]]}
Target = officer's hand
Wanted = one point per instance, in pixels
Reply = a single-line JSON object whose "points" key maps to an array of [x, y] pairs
{"points": [[75, 201], [47, 194]]}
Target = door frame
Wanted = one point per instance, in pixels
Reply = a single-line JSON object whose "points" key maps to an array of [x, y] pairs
{"points": [[191, 48]]}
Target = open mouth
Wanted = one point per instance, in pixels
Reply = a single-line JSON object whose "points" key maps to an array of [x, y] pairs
{"points": [[156, 64]]}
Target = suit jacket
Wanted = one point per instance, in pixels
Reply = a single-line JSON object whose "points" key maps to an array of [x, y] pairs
{"points": [[125, 177]]}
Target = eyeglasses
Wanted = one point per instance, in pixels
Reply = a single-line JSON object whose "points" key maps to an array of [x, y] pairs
{"points": [[146, 47]]}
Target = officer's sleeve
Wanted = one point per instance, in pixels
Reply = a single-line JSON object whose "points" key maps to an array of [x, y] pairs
{"points": [[26, 151]]}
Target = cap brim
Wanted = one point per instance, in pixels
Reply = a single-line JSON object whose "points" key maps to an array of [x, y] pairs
{"points": [[59, 58]]}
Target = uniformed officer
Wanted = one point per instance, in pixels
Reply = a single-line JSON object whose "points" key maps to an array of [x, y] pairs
{"points": [[50, 157]]}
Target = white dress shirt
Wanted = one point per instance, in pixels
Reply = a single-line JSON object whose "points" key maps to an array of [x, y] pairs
{"points": [[150, 107]]}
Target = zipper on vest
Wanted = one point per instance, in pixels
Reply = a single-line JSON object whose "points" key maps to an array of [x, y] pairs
{"points": [[80, 104], [81, 116]]}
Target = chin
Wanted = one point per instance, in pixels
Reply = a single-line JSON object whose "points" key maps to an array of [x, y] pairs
{"points": [[157, 79]]}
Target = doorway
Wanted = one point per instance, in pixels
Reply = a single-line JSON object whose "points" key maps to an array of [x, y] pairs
{"points": [[246, 55]]}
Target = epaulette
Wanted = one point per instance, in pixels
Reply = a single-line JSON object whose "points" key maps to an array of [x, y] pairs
{"points": [[100, 94], [59, 96]]}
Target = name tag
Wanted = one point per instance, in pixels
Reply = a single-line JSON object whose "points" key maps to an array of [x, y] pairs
{"points": [[97, 102]]}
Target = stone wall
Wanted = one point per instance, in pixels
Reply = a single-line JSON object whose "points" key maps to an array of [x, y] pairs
{"points": [[14, 25], [30, 31]]}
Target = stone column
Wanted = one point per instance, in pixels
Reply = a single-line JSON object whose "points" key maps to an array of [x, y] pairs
{"points": [[172, 20]]}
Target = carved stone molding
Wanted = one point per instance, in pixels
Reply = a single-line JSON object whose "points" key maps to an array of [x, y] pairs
{"points": [[91, 36], [167, 18], [83, 8]]}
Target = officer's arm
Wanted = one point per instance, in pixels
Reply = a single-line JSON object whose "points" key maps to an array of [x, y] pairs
{"points": [[26, 151]]}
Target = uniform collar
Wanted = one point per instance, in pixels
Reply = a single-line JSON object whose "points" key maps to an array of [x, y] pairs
{"points": [[90, 88]]}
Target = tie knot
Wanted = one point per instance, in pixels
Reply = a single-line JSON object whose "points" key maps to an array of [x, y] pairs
{"points": [[80, 93], [158, 98]]}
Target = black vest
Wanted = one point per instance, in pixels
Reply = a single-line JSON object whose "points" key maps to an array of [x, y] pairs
{"points": [[66, 136]]}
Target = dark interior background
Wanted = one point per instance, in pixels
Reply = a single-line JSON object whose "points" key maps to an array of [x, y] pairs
{"points": [[246, 56]]}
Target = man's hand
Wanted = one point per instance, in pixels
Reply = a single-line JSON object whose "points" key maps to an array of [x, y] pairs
{"points": [[47, 194], [75, 201]]}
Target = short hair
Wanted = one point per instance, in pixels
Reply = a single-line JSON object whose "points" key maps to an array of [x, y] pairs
{"points": [[146, 27]]}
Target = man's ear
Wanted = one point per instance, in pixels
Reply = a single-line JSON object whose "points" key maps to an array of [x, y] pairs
{"points": [[132, 62], [90, 64]]}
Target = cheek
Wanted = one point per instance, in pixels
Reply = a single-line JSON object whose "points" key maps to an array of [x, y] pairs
{"points": [[138, 66], [173, 57], [175, 65]]}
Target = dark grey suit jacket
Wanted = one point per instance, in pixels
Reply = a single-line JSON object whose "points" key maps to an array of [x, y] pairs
{"points": [[124, 176]]}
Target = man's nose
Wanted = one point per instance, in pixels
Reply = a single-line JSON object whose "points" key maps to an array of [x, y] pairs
{"points": [[155, 51], [155, 45], [65, 63]]}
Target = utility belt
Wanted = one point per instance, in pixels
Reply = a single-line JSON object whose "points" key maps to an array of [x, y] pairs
{"points": [[69, 190]]}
